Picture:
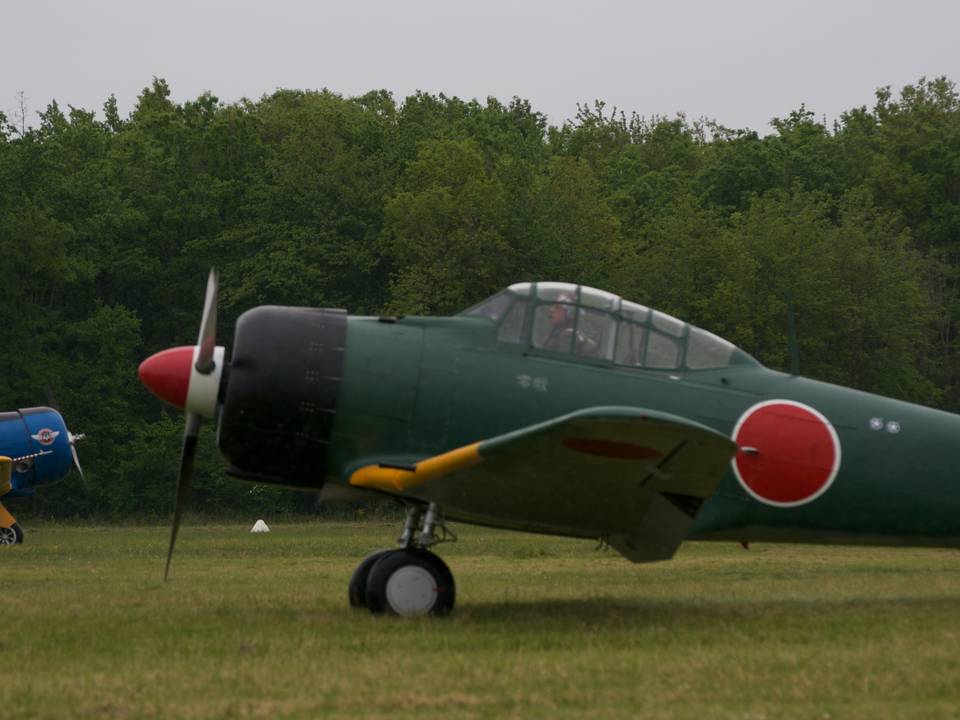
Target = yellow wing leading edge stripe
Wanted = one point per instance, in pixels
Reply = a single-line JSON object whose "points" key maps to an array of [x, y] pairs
{"points": [[393, 479]]}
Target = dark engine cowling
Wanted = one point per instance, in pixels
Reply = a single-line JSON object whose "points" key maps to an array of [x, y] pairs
{"points": [[280, 398]]}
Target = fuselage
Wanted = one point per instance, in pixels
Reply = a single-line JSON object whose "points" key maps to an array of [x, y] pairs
{"points": [[39, 438], [416, 387]]}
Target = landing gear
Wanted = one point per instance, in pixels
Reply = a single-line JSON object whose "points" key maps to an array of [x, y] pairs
{"points": [[12, 535], [410, 581], [357, 591]]}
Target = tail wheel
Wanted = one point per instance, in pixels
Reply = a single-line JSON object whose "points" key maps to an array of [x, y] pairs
{"points": [[12, 535], [410, 583], [357, 591]]}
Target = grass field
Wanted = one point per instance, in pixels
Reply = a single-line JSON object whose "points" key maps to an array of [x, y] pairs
{"points": [[257, 626]]}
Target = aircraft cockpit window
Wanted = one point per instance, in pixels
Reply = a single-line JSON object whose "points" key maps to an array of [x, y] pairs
{"points": [[595, 334], [663, 352], [590, 323], [705, 350], [551, 291], [630, 337], [553, 325], [511, 329], [598, 299], [668, 324], [493, 307], [632, 311]]}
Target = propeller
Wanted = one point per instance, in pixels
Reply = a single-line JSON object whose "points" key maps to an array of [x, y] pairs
{"points": [[205, 365], [73, 438], [189, 378]]}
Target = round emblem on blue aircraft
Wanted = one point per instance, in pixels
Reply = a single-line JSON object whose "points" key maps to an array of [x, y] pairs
{"points": [[46, 436]]}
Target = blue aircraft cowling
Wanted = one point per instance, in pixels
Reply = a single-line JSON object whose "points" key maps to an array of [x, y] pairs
{"points": [[42, 433]]}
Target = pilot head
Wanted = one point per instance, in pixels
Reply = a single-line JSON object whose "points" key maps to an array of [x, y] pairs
{"points": [[561, 313]]}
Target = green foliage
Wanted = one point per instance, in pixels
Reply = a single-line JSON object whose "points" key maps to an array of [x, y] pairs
{"points": [[575, 236], [426, 205], [688, 263], [442, 230]]}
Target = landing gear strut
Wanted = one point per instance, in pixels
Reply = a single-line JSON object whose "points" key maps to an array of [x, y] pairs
{"points": [[412, 580]]}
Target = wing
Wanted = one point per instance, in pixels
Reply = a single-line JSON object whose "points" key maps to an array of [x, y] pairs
{"points": [[635, 477], [6, 469]]}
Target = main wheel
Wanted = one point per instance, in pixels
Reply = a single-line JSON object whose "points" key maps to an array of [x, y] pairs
{"points": [[357, 591], [12, 535], [410, 582]]}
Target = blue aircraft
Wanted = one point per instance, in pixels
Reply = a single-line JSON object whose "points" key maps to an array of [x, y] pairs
{"points": [[35, 449]]}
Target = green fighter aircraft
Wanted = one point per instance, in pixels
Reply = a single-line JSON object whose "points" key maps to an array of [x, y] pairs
{"points": [[555, 408]]}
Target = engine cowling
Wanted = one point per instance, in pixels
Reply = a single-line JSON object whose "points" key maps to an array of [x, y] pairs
{"points": [[280, 396], [39, 432]]}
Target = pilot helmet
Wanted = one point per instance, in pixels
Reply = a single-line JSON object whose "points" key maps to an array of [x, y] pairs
{"points": [[565, 301]]}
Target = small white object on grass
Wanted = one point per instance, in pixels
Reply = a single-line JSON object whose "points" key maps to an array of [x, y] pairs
{"points": [[259, 526]]}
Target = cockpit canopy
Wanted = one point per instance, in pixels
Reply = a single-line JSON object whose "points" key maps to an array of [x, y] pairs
{"points": [[581, 321]]}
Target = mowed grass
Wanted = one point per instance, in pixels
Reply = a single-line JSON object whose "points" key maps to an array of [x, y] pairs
{"points": [[257, 626]]}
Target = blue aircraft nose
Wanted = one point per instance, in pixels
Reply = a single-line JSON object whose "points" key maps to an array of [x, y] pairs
{"points": [[40, 438]]}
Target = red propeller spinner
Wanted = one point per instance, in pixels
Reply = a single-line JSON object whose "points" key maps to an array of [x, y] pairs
{"points": [[188, 377], [173, 377]]}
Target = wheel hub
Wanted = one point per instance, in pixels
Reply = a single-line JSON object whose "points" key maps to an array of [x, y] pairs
{"points": [[411, 591], [8, 536]]}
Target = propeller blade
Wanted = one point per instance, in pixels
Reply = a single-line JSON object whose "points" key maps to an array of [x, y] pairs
{"points": [[207, 339], [52, 402], [76, 460], [74, 439], [183, 481]]}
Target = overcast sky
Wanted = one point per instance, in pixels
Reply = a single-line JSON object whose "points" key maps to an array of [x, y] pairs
{"points": [[741, 62]]}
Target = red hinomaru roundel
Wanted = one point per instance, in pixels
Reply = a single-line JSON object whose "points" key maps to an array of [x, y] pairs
{"points": [[788, 455]]}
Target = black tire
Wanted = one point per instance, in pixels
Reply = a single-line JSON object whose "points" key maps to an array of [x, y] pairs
{"points": [[12, 535], [357, 591], [410, 582]]}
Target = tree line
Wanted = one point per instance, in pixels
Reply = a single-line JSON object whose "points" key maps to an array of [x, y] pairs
{"points": [[108, 226]]}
